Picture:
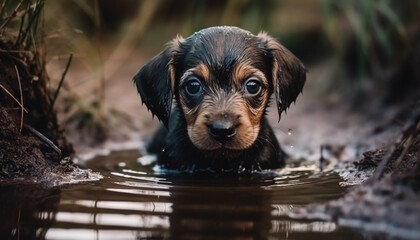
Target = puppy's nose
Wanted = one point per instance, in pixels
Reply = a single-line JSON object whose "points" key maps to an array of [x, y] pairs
{"points": [[222, 131]]}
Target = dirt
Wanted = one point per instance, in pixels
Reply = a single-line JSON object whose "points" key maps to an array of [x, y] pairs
{"points": [[33, 147], [388, 202], [389, 206]]}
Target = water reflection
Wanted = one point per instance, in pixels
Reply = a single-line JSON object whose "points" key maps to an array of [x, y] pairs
{"points": [[27, 211], [134, 202]]}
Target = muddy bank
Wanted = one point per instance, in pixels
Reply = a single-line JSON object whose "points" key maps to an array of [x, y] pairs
{"points": [[388, 202], [33, 147], [389, 206]]}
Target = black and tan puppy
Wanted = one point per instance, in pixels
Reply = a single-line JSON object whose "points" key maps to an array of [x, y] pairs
{"points": [[221, 79]]}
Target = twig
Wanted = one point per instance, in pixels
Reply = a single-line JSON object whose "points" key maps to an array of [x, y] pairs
{"points": [[381, 167], [14, 99], [21, 99], [60, 84], [406, 147], [410, 129], [43, 138]]}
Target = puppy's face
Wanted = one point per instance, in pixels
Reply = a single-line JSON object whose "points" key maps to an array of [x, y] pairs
{"points": [[222, 83], [222, 79]]}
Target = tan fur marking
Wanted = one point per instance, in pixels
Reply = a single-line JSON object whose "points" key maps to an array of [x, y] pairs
{"points": [[200, 70], [203, 71], [175, 46], [243, 71], [172, 76], [255, 115]]}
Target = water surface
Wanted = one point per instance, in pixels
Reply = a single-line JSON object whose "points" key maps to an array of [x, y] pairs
{"points": [[134, 201]]}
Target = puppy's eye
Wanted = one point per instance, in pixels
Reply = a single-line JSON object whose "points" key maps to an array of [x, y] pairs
{"points": [[252, 86], [193, 87]]}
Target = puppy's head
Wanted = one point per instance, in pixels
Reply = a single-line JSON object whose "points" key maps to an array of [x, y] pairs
{"points": [[222, 79]]}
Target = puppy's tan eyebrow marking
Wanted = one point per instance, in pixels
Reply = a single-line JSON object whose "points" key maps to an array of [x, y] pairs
{"points": [[243, 71], [201, 71]]}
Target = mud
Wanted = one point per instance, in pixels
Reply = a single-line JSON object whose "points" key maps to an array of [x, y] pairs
{"points": [[33, 147], [389, 206], [388, 202]]}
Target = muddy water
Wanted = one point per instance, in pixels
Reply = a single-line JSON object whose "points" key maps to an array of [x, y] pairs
{"points": [[134, 201]]}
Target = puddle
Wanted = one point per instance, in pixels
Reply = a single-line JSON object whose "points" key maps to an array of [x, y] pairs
{"points": [[133, 201]]}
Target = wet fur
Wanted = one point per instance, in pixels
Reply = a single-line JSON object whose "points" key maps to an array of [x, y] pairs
{"points": [[223, 58]]}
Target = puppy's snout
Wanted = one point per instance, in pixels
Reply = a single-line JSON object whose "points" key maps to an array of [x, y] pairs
{"points": [[222, 131]]}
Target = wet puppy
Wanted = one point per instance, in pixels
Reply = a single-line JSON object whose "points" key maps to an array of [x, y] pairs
{"points": [[221, 80]]}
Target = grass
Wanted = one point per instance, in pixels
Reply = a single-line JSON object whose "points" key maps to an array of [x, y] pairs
{"points": [[20, 30], [57, 91], [21, 20], [22, 63], [20, 35], [370, 37]]}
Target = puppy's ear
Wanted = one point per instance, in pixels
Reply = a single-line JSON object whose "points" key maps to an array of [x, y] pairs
{"points": [[288, 73], [154, 81]]}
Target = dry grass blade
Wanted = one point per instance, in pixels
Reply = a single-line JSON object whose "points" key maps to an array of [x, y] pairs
{"points": [[14, 99], [60, 84], [21, 99]]}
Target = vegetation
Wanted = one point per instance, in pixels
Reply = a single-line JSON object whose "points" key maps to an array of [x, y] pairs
{"points": [[377, 42], [24, 98]]}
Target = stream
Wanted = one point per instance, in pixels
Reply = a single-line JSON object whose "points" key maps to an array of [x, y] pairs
{"points": [[137, 200]]}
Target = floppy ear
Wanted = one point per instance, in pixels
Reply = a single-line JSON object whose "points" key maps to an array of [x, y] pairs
{"points": [[288, 73], [154, 81]]}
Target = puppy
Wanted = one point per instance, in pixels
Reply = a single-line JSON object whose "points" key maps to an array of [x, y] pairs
{"points": [[221, 80]]}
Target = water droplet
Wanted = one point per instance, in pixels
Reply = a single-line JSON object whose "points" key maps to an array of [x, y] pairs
{"points": [[289, 132], [146, 159], [163, 150]]}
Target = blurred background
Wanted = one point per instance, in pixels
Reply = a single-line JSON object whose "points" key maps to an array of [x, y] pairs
{"points": [[361, 54]]}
